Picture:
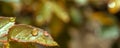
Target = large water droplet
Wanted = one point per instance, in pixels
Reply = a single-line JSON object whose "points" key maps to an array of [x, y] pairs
{"points": [[35, 32], [46, 33], [12, 19]]}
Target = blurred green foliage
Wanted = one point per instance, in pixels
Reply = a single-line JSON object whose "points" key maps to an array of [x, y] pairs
{"points": [[98, 18]]}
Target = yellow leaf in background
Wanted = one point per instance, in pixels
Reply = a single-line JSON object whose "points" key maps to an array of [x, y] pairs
{"points": [[47, 11], [60, 12], [44, 14]]}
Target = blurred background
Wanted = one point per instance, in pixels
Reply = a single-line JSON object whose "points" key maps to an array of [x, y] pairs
{"points": [[72, 23]]}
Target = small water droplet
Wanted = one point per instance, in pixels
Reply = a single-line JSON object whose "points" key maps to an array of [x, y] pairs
{"points": [[35, 32], [46, 33], [12, 19]]}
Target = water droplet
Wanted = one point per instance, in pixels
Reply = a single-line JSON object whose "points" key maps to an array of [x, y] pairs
{"points": [[35, 32], [12, 19], [46, 33]]}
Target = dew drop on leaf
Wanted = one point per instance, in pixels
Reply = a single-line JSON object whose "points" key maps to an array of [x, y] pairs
{"points": [[12, 19], [35, 32]]}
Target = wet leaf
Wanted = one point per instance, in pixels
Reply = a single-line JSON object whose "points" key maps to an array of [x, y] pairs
{"points": [[5, 24], [26, 33]]}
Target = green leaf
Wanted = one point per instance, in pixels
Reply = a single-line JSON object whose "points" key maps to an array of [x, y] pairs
{"points": [[26, 33], [5, 24]]}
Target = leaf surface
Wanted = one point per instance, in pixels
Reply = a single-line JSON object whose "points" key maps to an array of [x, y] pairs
{"points": [[27, 33], [5, 24]]}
